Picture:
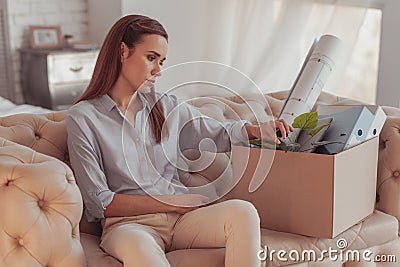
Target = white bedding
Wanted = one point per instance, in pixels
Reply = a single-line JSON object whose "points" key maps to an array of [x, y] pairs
{"points": [[8, 108]]}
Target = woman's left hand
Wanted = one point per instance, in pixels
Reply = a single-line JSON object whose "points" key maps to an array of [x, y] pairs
{"points": [[267, 130]]}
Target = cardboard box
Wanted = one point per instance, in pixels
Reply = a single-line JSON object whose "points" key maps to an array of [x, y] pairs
{"points": [[306, 193]]}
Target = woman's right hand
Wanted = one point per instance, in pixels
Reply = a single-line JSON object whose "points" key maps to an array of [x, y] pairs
{"points": [[186, 202]]}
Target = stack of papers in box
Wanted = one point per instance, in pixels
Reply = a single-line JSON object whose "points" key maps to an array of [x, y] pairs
{"points": [[351, 125]]}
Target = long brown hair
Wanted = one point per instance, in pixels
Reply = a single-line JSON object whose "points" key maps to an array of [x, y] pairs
{"points": [[130, 30]]}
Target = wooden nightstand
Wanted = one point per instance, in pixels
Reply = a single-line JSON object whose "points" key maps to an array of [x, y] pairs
{"points": [[54, 79]]}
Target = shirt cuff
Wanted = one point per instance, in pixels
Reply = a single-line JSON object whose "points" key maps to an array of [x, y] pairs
{"points": [[236, 135], [103, 199]]}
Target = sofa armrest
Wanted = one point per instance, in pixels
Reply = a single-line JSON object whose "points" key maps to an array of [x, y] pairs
{"points": [[388, 187], [44, 133], [40, 209]]}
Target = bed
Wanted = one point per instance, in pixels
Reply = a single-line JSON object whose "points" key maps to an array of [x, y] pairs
{"points": [[8, 108]]}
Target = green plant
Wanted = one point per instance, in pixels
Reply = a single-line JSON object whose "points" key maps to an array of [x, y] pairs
{"points": [[309, 122], [306, 121]]}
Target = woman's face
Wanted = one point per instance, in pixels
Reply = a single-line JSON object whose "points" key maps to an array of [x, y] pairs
{"points": [[140, 69]]}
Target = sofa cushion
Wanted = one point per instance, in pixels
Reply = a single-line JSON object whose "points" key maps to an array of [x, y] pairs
{"points": [[197, 257], [389, 256], [379, 228], [96, 257]]}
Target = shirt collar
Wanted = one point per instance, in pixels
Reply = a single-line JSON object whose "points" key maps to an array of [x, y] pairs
{"points": [[109, 103]]}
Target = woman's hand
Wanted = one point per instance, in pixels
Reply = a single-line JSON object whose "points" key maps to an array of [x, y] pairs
{"points": [[267, 130], [186, 202], [132, 205]]}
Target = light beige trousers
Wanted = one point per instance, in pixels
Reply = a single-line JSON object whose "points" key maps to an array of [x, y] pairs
{"points": [[143, 240]]}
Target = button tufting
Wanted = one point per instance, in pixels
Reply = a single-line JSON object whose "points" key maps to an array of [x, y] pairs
{"points": [[382, 144], [21, 242], [41, 203], [396, 174], [70, 178], [9, 183], [37, 137]]}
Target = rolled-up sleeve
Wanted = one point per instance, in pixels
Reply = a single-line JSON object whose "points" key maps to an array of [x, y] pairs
{"points": [[86, 163]]}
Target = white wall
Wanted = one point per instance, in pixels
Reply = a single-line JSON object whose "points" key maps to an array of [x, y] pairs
{"points": [[71, 15], [388, 92], [172, 14]]}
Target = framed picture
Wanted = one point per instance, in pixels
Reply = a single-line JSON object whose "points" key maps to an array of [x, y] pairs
{"points": [[45, 37]]}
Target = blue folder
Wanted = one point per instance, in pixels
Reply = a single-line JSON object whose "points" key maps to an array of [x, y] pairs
{"points": [[348, 128]]}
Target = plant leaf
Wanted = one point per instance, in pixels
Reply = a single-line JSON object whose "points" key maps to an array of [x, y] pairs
{"points": [[306, 121], [316, 130], [263, 143]]}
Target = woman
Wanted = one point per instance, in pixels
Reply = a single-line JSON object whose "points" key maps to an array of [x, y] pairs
{"points": [[144, 209]]}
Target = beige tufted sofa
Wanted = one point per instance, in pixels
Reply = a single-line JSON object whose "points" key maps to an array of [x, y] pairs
{"points": [[41, 222]]}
